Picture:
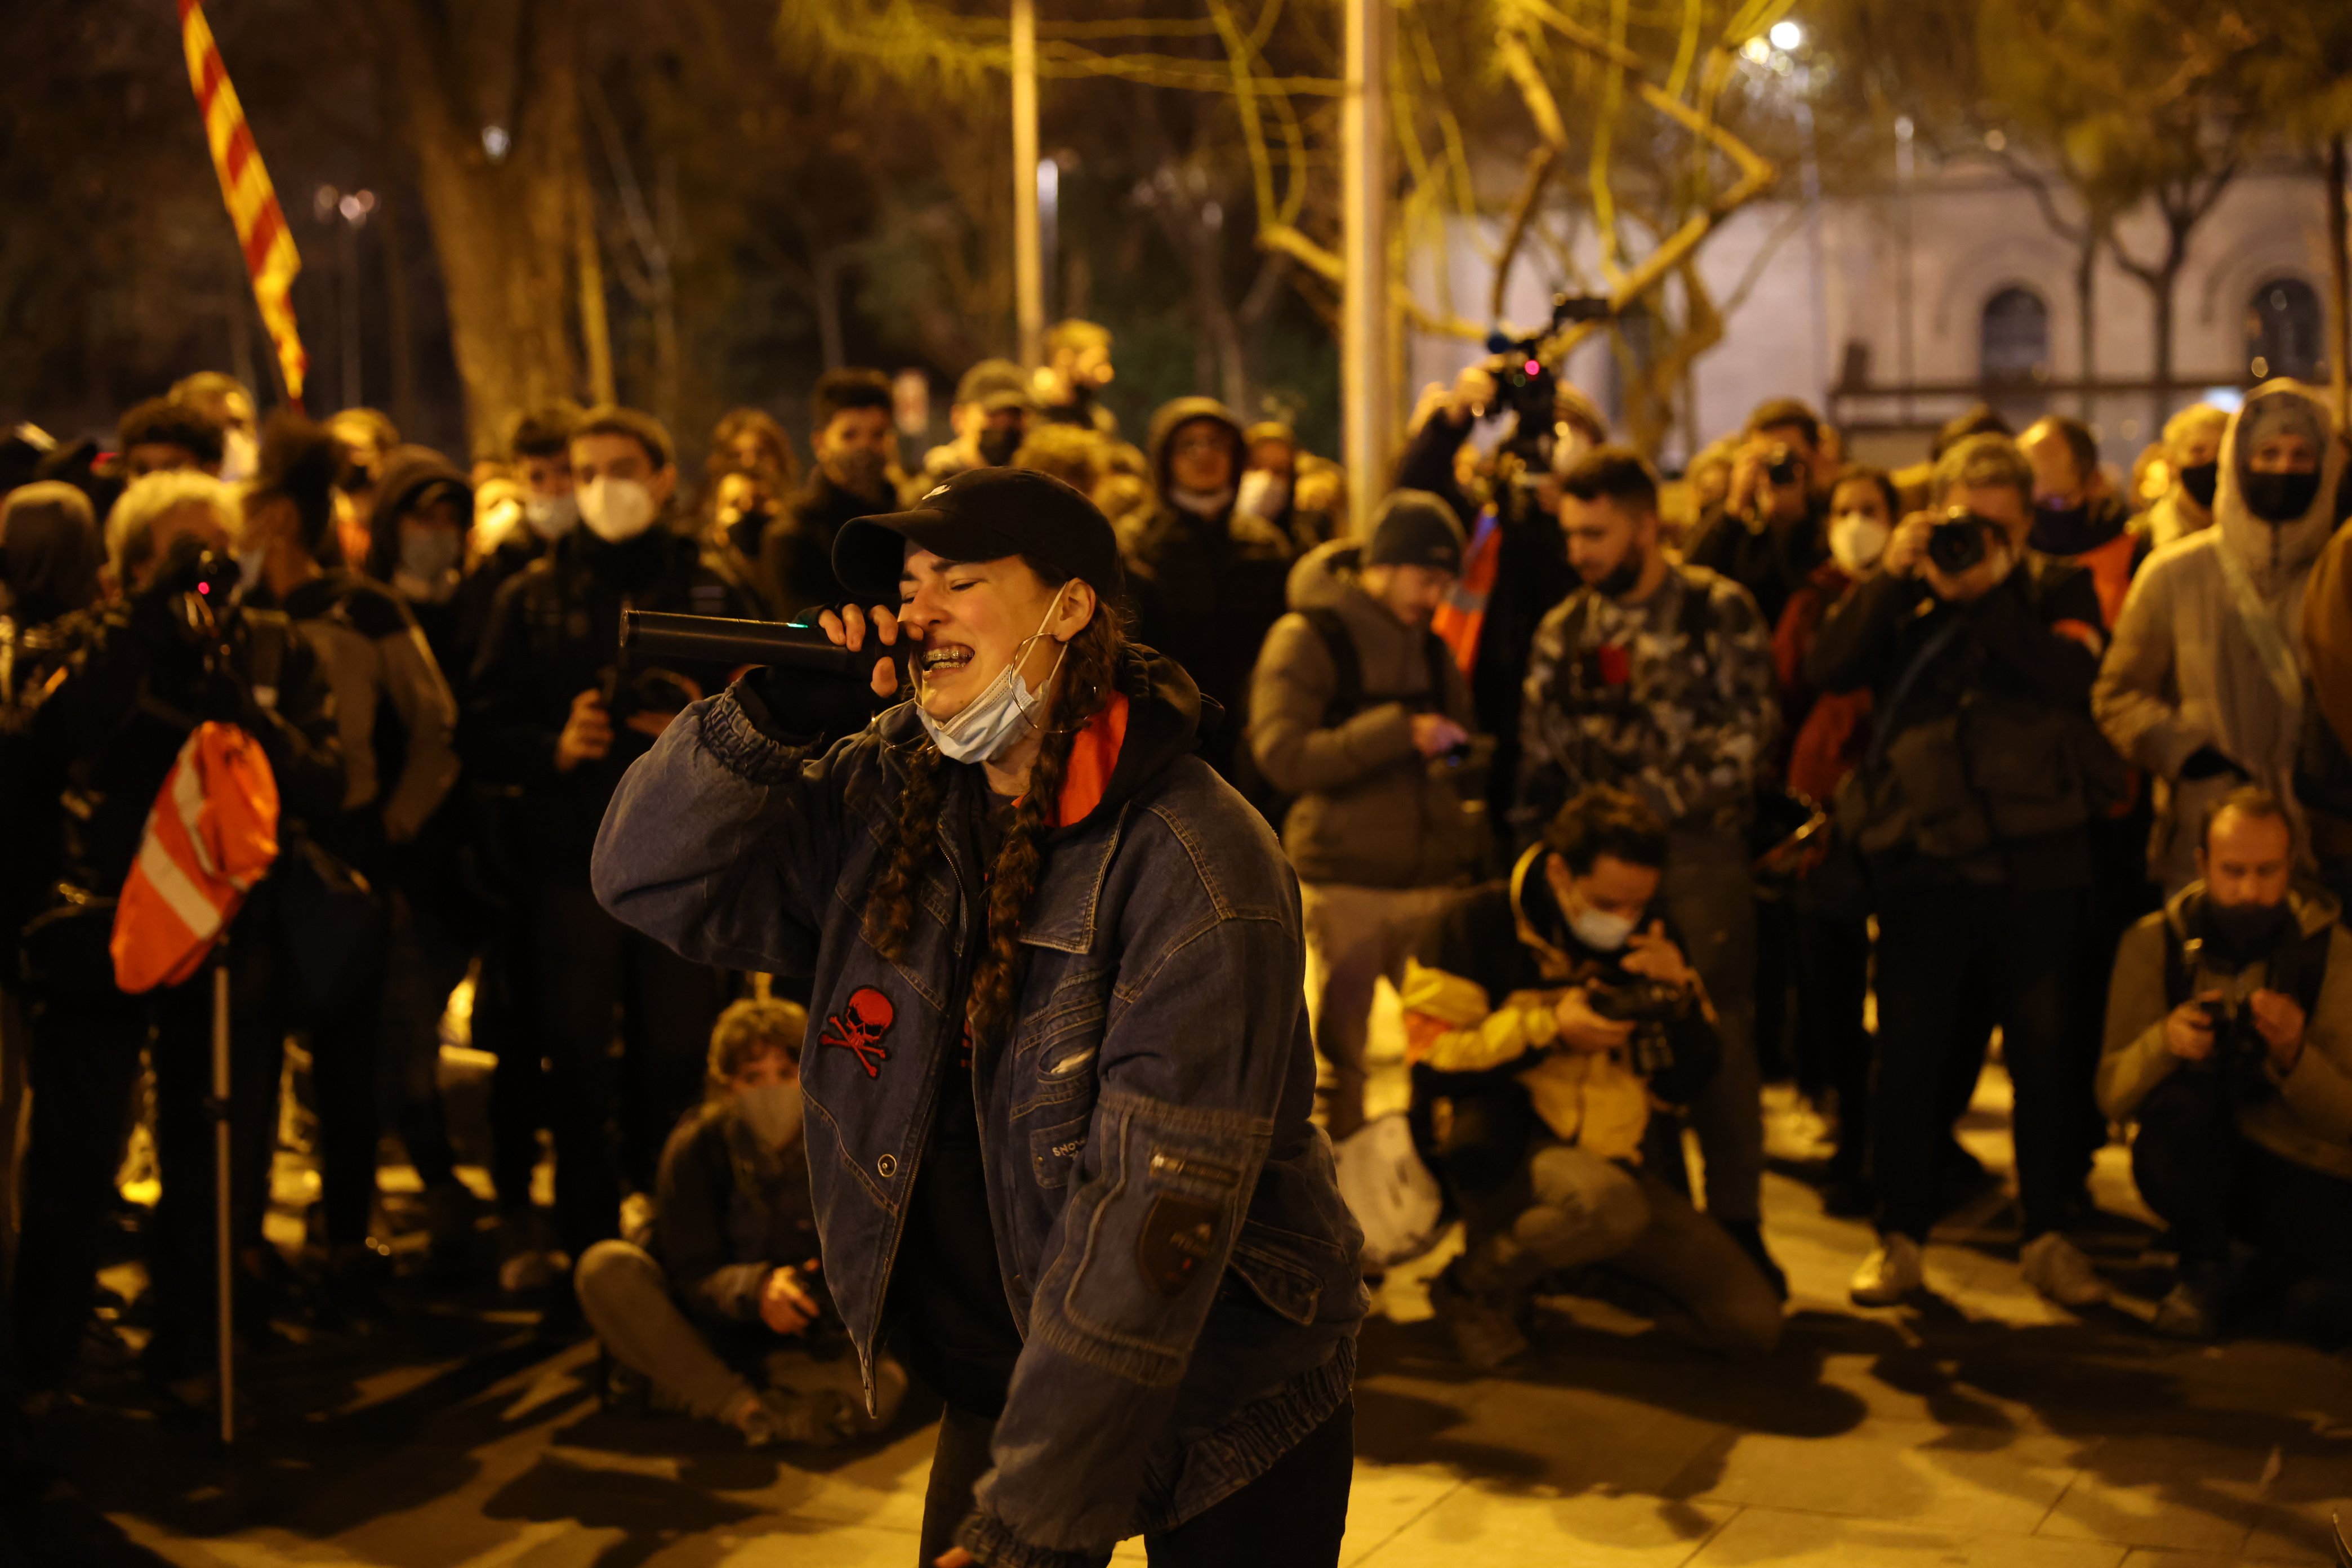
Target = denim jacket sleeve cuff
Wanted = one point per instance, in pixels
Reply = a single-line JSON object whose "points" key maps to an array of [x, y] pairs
{"points": [[738, 732], [992, 1540]]}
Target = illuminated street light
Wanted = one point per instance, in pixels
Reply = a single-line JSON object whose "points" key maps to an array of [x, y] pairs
{"points": [[1758, 49], [495, 141], [1787, 35]]}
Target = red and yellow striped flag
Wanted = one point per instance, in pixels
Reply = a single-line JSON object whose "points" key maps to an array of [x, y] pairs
{"points": [[261, 228]]}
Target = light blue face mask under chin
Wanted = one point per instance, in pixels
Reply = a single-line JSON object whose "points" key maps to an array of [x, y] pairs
{"points": [[990, 723]]}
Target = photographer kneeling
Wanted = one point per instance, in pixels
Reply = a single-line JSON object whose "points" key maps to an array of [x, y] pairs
{"points": [[2230, 1042], [1547, 1013], [735, 1293], [1057, 1114]]}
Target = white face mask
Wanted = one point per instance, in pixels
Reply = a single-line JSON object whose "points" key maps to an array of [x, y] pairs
{"points": [[552, 517], [772, 1110], [1600, 930], [615, 509], [1264, 493], [240, 457], [1857, 540], [992, 722]]}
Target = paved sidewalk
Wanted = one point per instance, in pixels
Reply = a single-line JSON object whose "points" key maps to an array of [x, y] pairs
{"points": [[1981, 1428]]}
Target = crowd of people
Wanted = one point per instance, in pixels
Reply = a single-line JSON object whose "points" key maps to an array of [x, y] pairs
{"points": [[1639, 795]]}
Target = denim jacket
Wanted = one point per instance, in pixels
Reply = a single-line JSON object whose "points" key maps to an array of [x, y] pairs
{"points": [[1168, 1225]]}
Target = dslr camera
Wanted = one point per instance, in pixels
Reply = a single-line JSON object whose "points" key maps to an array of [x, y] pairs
{"points": [[1782, 465], [1958, 541], [1529, 387], [1652, 1006]]}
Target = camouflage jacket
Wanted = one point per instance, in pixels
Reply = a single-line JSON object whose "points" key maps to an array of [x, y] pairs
{"points": [[1672, 699]]}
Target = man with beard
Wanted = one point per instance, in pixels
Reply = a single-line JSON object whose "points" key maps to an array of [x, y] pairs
{"points": [[1656, 677], [552, 716], [857, 450]]}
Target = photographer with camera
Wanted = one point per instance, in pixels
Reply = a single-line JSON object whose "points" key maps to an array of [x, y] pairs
{"points": [[1543, 1017], [2230, 1042], [140, 677], [1357, 711], [2205, 686], [552, 714], [1516, 567], [1768, 537], [1969, 814], [1058, 1112], [1657, 677], [726, 1315]]}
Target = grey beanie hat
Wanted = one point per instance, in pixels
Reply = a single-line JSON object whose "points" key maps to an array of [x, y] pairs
{"points": [[1414, 527]]}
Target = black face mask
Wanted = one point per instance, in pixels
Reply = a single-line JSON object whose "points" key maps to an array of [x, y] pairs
{"points": [[997, 446], [1626, 576], [2281, 497], [2200, 479], [2064, 529], [2241, 934]]}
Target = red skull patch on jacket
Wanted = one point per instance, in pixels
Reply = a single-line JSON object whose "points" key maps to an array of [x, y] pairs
{"points": [[859, 1028]]}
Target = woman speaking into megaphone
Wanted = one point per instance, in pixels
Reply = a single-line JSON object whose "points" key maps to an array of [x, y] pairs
{"points": [[1058, 1078]]}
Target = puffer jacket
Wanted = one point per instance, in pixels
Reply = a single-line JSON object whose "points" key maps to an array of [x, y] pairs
{"points": [[2306, 1115], [2182, 673], [1205, 590], [1168, 1226], [1370, 810]]}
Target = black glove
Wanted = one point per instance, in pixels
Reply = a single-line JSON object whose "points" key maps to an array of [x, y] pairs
{"points": [[2205, 762]]}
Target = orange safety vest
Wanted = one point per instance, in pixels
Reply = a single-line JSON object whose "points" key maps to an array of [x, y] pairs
{"points": [[210, 837]]}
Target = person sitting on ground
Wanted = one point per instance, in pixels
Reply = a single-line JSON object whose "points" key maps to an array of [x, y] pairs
{"points": [[726, 1316], [2230, 1042], [1543, 1018]]}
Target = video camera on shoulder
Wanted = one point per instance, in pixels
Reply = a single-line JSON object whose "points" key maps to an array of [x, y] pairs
{"points": [[1958, 541], [1529, 387]]}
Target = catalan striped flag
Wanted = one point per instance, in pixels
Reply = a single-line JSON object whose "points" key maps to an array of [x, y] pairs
{"points": [[261, 228]]}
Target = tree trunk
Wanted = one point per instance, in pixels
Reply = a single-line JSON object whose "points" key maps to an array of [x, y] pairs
{"points": [[2340, 277], [2086, 320], [399, 316], [501, 225]]}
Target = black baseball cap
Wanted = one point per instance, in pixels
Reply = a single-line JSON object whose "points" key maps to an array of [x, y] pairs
{"points": [[982, 514]]}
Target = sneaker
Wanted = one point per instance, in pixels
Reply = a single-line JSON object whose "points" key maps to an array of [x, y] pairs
{"points": [[2056, 1268], [1895, 1269], [2186, 1313], [1486, 1335]]}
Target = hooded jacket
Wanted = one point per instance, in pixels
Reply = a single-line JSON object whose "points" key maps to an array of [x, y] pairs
{"points": [[1167, 1222], [1206, 590], [1478, 1014], [1371, 810], [2183, 673], [2305, 1115]]}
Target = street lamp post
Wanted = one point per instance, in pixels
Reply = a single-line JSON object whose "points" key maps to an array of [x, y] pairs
{"points": [[1364, 367], [1028, 266]]}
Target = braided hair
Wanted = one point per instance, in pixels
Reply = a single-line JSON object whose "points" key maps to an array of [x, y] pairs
{"points": [[1084, 683]]}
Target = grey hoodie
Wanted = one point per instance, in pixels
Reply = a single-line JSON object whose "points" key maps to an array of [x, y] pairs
{"points": [[1370, 810], [2183, 673]]}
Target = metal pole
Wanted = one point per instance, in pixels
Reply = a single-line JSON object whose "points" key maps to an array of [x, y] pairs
{"points": [[1811, 172], [1028, 272], [225, 1253], [1905, 365], [352, 396], [1363, 303]]}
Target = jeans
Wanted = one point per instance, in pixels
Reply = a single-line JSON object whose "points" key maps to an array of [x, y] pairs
{"points": [[1694, 1280], [1292, 1516], [598, 982], [1710, 898], [1944, 952], [422, 963], [626, 1299], [1355, 936]]}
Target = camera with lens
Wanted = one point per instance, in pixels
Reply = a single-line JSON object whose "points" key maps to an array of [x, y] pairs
{"points": [[1783, 465], [1652, 1006], [1530, 388], [1957, 541], [662, 691]]}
